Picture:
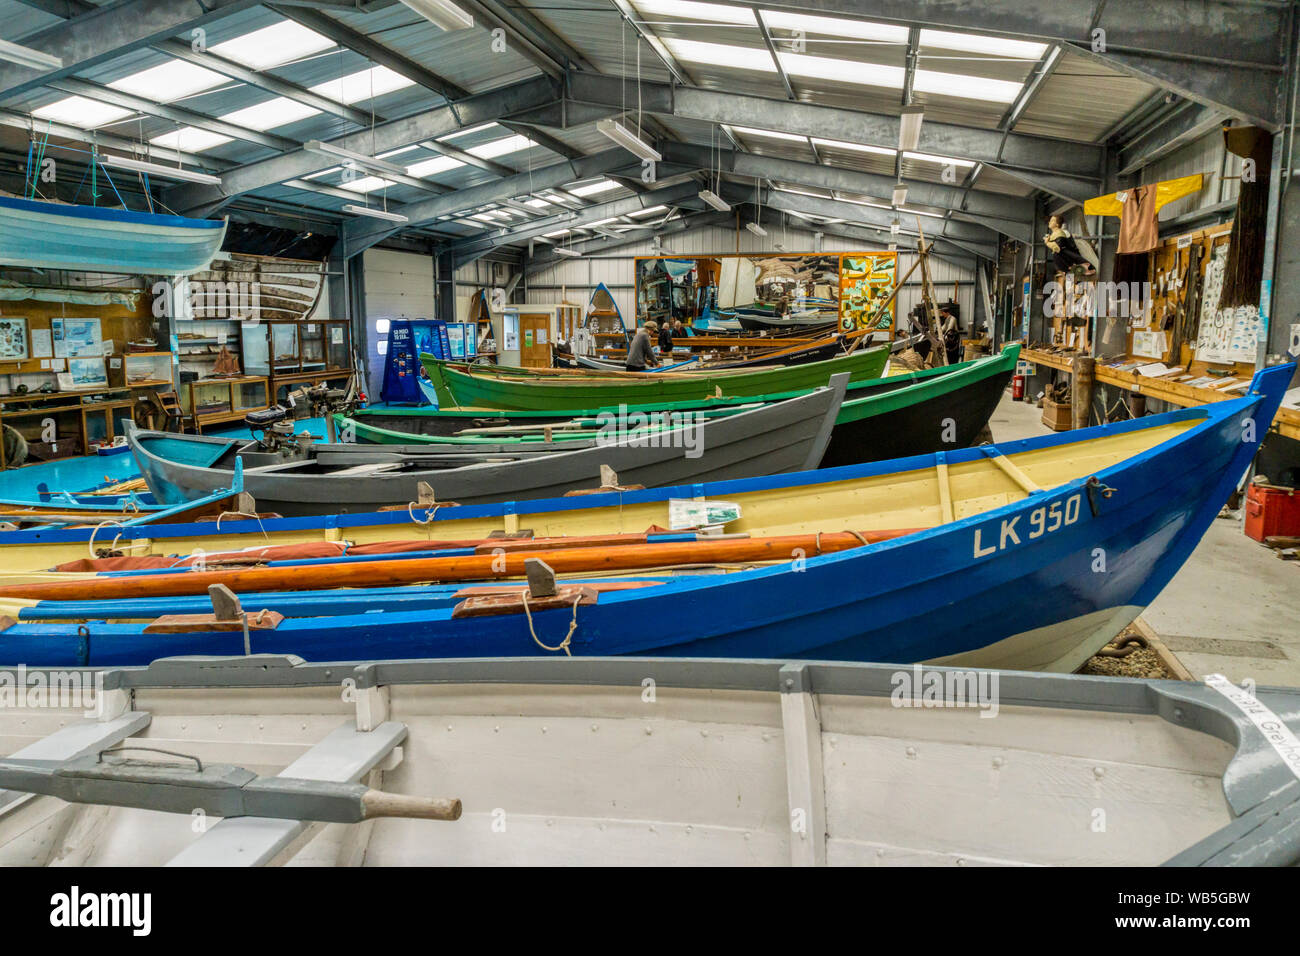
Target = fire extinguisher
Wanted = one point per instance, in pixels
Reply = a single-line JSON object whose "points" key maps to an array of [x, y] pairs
{"points": [[1017, 387]]}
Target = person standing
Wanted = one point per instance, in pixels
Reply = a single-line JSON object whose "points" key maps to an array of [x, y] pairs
{"points": [[666, 339], [641, 354]]}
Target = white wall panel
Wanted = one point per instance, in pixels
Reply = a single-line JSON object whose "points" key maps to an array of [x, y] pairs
{"points": [[398, 285]]}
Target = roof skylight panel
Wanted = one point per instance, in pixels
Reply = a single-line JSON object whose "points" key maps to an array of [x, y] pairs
{"points": [[189, 139], [767, 133], [431, 167], [693, 10], [364, 85], [592, 188], [856, 147], [938, 160], [501, 147], [721, 54], [270, 114], [843, 71], [468, 132], [274, 45], [365, 184], [81, 112], [966, 87], [837, 27], [975, 43], [169, 81]]}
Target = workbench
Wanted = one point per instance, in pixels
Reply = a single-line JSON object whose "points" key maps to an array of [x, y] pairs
{"points": [[1287, 422]]}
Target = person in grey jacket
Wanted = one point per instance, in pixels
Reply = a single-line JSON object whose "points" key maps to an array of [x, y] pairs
{"points": [[640, 353]]}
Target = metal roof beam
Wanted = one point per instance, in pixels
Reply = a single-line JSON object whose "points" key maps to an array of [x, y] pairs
{"points": [[360, 236], [472, 247], [262, 80], [326, 25], [705, 217], [876, 185], [177, 114], [108, 32], [1185, 126], [393, 134], [1227, 54], [870, 215], [856, 126]]}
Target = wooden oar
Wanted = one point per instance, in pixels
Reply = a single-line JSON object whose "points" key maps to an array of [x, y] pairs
{"points": [[460, 568]]}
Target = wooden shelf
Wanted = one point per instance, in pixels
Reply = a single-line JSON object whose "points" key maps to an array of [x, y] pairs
{"points": [[1287, 422]]}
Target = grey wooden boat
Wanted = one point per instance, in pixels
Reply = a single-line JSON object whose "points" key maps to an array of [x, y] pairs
{"points": [[638, 761], [328, 478]]}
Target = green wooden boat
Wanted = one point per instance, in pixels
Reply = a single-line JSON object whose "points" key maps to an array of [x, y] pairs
{"points": [[468, 386], [909, 414]]}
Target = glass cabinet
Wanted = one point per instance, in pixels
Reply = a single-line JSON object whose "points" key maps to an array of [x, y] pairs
{"points": [[214, 400]]}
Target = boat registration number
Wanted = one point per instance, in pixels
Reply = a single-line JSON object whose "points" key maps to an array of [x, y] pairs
{"points": [[1042, 520]]}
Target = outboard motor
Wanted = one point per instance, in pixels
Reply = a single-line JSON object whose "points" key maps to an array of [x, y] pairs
{"points": [[277, 433]]}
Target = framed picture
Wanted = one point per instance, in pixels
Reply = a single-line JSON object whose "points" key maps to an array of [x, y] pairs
{"points": [[13, 340], [88, 372], [76, 338]]}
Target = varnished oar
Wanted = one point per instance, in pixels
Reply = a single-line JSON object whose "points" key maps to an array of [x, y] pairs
{"points": [[459, 568]]}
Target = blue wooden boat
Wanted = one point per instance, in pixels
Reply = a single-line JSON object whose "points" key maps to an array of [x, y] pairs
{"points": [[1033, 554], [119, 510], [46, 235]]}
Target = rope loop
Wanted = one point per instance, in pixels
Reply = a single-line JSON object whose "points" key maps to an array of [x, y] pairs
{"points": [[573, 626]]}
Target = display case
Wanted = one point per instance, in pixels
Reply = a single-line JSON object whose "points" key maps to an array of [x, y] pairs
{"points": [[285, 356], [214, 400], [312, 339], [338, 346], [140, 370]]}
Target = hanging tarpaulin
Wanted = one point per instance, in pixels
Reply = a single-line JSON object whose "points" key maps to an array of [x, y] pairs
{"points": [[678, 267], [19, 292]]}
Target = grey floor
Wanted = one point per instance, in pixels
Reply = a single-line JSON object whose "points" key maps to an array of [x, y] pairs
{"points": [[1233, 609]]}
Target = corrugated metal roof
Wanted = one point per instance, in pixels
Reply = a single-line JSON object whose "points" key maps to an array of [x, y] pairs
{"points": [[1081, 100], [855, 69]]}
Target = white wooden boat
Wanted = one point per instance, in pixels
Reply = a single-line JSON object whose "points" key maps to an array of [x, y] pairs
{"points": [[48, 235], [638, 761]]}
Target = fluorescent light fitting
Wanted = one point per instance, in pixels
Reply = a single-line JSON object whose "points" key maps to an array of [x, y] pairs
{"points": [[909, 129], [375, 213], [26, 56], [628, 140], [756, 229], [714, 200], [369, 162], [900, 194], [441, 13], [155, 169], [570, 253]]}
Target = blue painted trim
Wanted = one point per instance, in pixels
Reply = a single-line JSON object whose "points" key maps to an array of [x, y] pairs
{"points": [[74, 212]]}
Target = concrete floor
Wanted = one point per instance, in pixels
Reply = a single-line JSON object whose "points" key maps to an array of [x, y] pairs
{"points": [[1233, 609]]}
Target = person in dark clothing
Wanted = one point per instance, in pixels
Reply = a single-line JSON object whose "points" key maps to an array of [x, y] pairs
{"points": [[641, 353], [1064, 249], [666, 339]]}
